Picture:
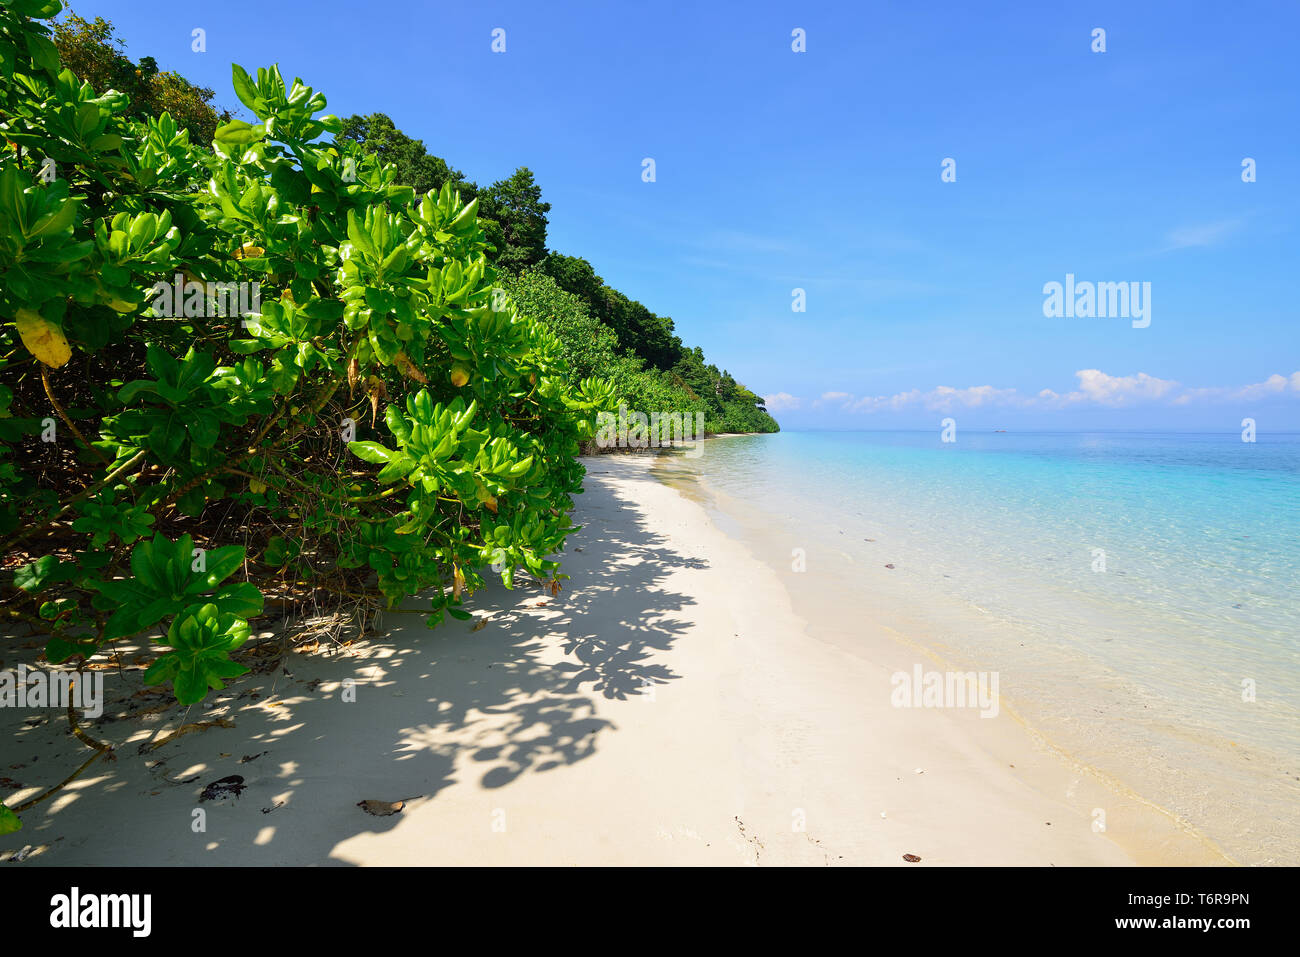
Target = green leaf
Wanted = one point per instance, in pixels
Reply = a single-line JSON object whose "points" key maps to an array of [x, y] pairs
{"points": [[58, 650], [244, 88], [45, 55], [221, 563], [46, 570], [162, 670], [242, 599], [190, 686], [359, 236], [201, 641], [239, 133], [371, 452], [9, 822], [397, 467], [164, 583]]}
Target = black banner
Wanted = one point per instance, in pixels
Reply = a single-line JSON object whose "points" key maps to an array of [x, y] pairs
{"points": [[909, 907]]}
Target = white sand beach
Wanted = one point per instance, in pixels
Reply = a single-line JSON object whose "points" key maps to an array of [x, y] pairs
{"points": [[668, 707]]}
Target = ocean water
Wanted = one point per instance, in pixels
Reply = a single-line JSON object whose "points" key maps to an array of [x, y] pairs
{"points": [[1138, 593]]}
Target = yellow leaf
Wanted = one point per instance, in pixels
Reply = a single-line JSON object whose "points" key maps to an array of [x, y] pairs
{"points": [[408, 369], [256, 487], [42, 338]]}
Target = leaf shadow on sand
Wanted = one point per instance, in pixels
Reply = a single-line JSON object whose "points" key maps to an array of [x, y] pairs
{"points": [[432, 708]]}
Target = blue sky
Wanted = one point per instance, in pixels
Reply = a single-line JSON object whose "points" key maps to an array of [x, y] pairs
{"points": [[821, 170]]}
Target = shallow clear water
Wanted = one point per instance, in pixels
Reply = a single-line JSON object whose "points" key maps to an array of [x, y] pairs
{"points": [[1132, 585]]}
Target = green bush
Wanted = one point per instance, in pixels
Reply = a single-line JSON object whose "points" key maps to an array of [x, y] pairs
{"points": [[589, 347], [257, 369], [570, 295]]}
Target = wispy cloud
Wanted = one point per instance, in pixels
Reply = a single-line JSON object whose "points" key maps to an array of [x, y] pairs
{"points": [[943, 398], [1273, 386], [1202, 234], [833, 398], [1094, 387], [739, 241], [870, 285]]}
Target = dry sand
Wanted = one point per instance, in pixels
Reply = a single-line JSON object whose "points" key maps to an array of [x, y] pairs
{"points": [[667, 708]]}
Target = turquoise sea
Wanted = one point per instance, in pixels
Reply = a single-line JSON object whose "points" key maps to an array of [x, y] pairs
{"points": [[1139, 593]]}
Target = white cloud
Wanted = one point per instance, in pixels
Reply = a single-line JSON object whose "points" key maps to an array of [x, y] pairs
{"points": [[943, 398], [946, 398], [781, 400], [1275, 385], [1094, 387], [833, 398]]}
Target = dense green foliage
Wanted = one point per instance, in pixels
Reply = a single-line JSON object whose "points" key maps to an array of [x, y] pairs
{"points": [[668, 375], [592, 349], [511, 211], [244, 365], [380, 421], [92, 52]]}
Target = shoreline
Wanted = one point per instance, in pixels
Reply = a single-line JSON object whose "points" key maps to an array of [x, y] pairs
{"points": [[669, 707], [900, 636]]}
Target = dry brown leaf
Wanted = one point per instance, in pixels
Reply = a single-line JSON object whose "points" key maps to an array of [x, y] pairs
{"points": [[408, 369], [381, 808], [376, 389]]}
